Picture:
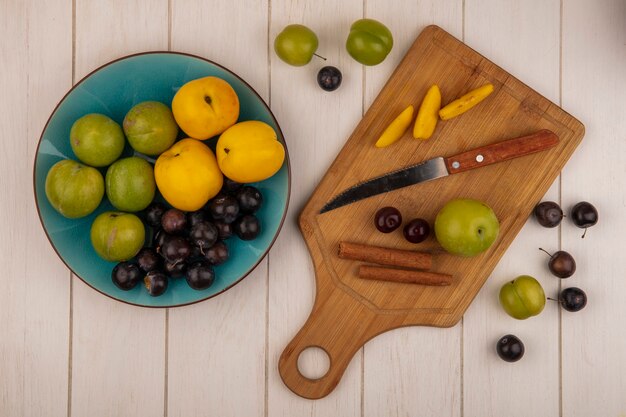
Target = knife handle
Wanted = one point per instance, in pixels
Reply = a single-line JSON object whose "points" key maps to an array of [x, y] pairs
{"points": [[501, 151]]}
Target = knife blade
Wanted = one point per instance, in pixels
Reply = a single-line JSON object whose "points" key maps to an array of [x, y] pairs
{"points": [[441, 167]]}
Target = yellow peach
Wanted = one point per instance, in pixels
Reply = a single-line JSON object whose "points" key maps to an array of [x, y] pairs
{"points": [[205, 107], [187, 175], [249, 152]]}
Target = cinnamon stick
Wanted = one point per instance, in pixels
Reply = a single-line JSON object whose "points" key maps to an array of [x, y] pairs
{"points": [[403, 275], [385, 256]]}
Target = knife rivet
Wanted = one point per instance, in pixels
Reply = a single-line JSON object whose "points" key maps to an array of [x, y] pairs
{"points": [[456, 164], [479, 158]]}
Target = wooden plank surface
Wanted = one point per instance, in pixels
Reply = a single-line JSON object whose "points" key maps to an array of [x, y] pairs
{"points": [[315, 124], [399, 365], [513, 43], [219, 346], [34, 300], [594, 82], [117, 349], [207, 358]]}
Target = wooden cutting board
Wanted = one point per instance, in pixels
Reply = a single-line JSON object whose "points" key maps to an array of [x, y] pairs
{"points": [[349, 311]]}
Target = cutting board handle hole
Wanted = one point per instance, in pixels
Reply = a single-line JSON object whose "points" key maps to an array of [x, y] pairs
{"points": [[313, 362]]}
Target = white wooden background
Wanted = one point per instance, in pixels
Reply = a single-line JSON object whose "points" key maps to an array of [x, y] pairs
{"points": [[65, 350]]}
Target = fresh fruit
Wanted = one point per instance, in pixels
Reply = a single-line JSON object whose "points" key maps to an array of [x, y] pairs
{"points": [[510, 348], [175, 249], [416, 231], [296, 45], [249, 152], [175, 269], [231, 186], [205, 107], [174, 221], [217, 254], [200, 275], [73, 189], [126, 276], [329, 78], [97, 140], [196, 217], [117, 236], [465, 102], [573, 299], [466, 227], [160, 238], [187, 175], [249, 199], [584, 215], [130, 184], [154, 212], [369, 41], [395, 130], [195, 253], [387, 219], [155, 282], [561, 264], [247, 227], [150, 127], [224, 207], [428, 114], [203, 235], [148, 259], [523, 297], [548, 214], [224, 230]]}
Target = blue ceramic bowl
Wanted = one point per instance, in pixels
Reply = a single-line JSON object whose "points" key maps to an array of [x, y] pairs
{"points": [[112, 90]]}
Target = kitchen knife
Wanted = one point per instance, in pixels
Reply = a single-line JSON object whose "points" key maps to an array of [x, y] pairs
{"points": [[442, 167]]}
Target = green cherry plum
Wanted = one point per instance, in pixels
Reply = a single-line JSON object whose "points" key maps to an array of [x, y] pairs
{"points": [[97, 140], [369, 41], [296, 45], [117, 236], [523, 297], [73, 189], [466, 227], [150, 127]]}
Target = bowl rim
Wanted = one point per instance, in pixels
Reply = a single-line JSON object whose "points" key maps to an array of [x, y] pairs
{"points": [[155, 52]]}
